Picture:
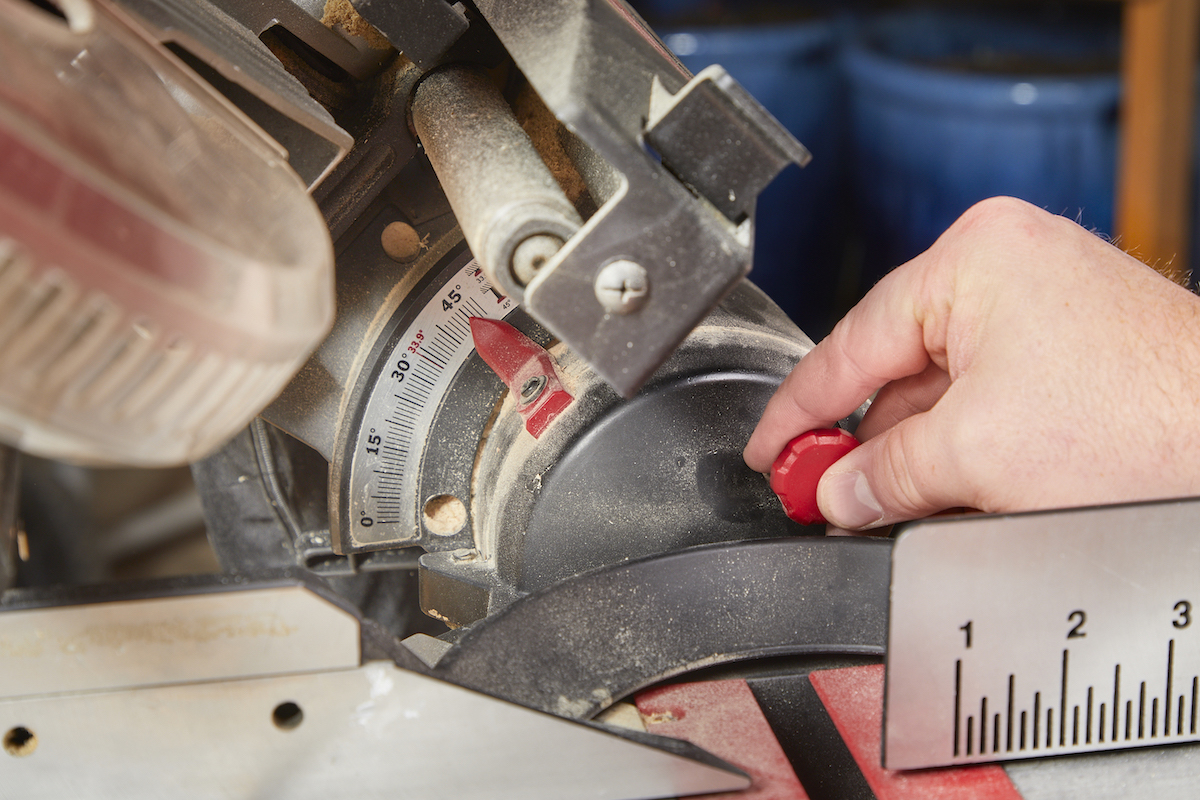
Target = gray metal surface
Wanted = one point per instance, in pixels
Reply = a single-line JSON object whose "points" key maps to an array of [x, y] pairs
{"points": [[1160, 773], [252, 78], [370, 732], [173, 640], [370, 285], [303, 20], [1044, 634], [253, 692], [596, 66], [718, 140]]}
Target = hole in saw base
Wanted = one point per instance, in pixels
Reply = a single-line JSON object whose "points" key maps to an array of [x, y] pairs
{"points": [[20, 741], [444, 515], [287, 716]]}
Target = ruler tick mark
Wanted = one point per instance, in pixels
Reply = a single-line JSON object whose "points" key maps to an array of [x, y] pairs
{"points": [[1008, 738], [958, 702], [1116, 706], [1195, 688], [1167, 696], [433, 359], [1142, 712], [1037, 717], [983, 721], [1062, 706]]}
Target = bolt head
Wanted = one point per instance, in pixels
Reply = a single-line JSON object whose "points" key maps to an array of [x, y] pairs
{"points": [[622, 287], [533, 388], [532, 254]]}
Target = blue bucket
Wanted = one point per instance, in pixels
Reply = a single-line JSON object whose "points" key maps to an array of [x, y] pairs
{"points": [[794, 71], [949, 109]]}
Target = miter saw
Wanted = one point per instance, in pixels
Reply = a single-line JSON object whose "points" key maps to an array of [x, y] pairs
{"points": [[523, 414]]}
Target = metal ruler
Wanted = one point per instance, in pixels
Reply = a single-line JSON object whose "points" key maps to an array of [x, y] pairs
{"points": [[1042, 634]]}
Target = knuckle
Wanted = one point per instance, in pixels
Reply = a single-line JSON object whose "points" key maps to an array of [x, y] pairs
{"points": [[1002, 213]]}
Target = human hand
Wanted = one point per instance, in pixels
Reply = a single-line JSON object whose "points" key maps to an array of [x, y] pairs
{"points": [[1022, 363]]}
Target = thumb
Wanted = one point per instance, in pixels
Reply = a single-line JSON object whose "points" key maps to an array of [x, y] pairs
{"points": [[903, 473]]}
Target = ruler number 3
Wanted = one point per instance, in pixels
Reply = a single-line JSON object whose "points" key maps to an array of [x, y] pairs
{"points": [[1184, 609]]}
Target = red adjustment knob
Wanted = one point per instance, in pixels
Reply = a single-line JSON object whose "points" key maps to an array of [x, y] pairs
{"points": [[798, 469]]}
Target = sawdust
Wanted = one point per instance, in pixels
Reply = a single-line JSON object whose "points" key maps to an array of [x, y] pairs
{"points": [[543, 129], [444, 515], [401, 242], [341, 15], [622, 715]]}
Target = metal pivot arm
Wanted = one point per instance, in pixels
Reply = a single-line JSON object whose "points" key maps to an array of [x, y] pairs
{"points": [[626, 289]]}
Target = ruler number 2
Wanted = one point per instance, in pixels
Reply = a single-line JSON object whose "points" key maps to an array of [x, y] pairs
{"points": [[1080, 617]]}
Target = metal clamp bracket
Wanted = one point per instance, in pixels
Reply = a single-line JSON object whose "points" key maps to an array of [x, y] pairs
{"points": [[605, 75]]}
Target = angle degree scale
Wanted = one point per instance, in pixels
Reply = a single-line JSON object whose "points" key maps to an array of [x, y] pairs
{"points": [[1043, 634], [417, 412]]}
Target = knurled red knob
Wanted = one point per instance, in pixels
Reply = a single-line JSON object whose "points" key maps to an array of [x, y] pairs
{"points": [[798, 469]]}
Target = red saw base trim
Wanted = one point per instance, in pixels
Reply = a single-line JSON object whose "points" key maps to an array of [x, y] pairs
{"points": [[854, 699], [724, 718]]}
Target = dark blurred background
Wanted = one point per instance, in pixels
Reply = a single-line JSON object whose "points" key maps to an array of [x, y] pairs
{"points": [[913, 112]]}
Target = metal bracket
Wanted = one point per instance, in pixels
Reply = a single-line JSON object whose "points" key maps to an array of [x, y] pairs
{"points": [[242, 68], [719, 141], [597, 67], [421, 29]]}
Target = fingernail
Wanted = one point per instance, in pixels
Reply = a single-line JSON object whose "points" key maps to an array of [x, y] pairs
{"points": [[851, 502]]}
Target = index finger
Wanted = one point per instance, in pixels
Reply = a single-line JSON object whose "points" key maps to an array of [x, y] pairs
{"points": [[881, 339]]}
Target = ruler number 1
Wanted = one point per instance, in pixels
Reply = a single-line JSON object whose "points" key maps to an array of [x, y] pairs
{"points": [[966, 629]]}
